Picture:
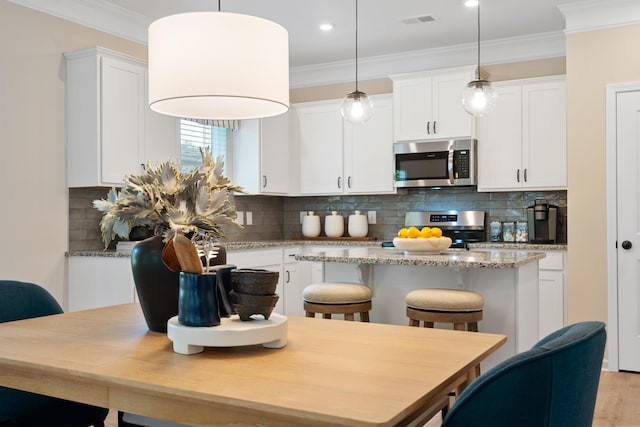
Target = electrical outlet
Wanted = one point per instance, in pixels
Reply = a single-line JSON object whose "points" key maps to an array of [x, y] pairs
{"points": [[249, 220], [302, 215], [371, 217], [240, 217]]}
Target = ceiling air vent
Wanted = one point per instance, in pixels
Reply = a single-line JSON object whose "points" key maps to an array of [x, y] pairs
{"points": [[418, 19]]}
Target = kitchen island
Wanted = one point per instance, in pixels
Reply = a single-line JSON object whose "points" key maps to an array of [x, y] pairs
{"points": [[508, 281]]}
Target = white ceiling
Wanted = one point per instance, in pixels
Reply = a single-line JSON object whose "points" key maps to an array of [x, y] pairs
{"points": [[511, 30], [380, 30]]}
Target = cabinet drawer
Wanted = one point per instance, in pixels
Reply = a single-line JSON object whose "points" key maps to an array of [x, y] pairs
{"points": [[553, 261], [288, 254], [255, 257]]}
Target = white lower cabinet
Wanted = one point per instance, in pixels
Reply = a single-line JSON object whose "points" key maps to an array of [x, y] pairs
{"points": [[296, 279], [96, 281], [551, 292]]}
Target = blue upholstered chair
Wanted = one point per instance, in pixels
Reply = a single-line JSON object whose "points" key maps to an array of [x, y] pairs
{"points": [[552, 385], [19, 300]]}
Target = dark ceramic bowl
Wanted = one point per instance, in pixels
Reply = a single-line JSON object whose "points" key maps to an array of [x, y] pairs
{"points": [[246, 305], [254, 281]]}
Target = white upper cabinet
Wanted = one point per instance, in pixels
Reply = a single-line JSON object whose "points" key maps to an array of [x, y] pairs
{"points": [[110, 130], [337, 157], [320, 145], [428, 105], [368, 151], [522, 142], [261, 155]]}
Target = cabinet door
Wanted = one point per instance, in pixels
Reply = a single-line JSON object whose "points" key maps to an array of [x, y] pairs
{"points": [[122, 91], [412, 108], [551, 300], [320, 139], [261, 155], [274, 155], [368, 151], [99, 282], [449, 119], [499, 142], [162, 141], [544, 139]]}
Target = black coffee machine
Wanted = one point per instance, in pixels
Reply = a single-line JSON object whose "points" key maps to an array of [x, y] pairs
{"points": [[542, 221]]}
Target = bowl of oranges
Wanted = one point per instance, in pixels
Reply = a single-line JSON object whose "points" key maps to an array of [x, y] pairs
{"points": [[427, 240]]}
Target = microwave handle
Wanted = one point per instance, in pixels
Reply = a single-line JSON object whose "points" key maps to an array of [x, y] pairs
{"points": [[450, 164]]}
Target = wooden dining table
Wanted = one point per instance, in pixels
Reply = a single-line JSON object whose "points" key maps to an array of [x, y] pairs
{"points": [[330, 373]]}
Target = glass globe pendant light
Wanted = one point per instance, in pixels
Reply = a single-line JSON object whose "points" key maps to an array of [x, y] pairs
{"points": [[478, 97], [357, 106]]}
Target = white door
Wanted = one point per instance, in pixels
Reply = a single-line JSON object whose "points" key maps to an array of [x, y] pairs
{"points": [[628, 233]]}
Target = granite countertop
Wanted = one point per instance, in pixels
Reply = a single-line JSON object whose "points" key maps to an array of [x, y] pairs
{"points": [[448, 258], [240, 246]]}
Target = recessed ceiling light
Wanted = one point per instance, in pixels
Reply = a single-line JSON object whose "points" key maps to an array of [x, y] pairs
{"points": [[326, 27], [471, 3]]}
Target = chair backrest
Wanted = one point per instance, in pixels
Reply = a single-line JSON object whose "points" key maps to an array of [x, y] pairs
{"points": [[554, 384], [21, 300]]}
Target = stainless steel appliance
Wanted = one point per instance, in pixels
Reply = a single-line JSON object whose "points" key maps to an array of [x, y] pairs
{"points": [[462, 227], [542, 219], [435, 163]]}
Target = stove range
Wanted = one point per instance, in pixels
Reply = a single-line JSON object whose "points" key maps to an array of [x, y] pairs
{"points": [[463, 227]]}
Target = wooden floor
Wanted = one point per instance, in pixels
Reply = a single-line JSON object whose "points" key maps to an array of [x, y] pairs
{"points": [[618, 403]]}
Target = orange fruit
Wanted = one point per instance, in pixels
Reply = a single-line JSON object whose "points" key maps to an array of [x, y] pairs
{"points": [[413, 233], [425, 232], [436, 232]]}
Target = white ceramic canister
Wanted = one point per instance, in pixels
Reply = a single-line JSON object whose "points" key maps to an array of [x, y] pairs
{"points": [[310, 225], [334, 225], [358, 225]]}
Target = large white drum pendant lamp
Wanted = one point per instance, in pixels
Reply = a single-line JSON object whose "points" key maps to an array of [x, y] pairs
{"points": [[218, 65]]}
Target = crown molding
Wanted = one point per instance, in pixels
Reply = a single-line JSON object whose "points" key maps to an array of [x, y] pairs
{"points": [[516, 49], [95, 14], [599, 14]]}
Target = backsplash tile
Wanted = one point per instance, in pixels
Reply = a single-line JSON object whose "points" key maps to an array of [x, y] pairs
{"points": [[277, 218]]}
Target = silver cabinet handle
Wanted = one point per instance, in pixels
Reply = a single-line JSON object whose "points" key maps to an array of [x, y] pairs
{"points": [[450, 162], [349, 182], [429, 127], [518, 175], [339, 183], [288, 279], [525, 175], [434, 127], [264, 181]]}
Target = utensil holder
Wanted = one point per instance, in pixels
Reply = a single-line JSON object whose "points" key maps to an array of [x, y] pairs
{"points": [[198, 300]]}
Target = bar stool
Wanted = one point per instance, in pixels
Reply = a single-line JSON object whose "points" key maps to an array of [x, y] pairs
{"points": [[337, 298], [455, 306], [437, 305]]}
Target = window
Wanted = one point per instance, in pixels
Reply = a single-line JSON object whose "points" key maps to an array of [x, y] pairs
{"points": [[194, 136]]}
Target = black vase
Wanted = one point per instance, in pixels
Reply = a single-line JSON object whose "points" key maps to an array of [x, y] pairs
{"points": [[156, 285]]}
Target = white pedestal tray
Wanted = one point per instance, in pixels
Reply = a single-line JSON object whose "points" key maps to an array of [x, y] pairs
{"points": [[231, 332]]}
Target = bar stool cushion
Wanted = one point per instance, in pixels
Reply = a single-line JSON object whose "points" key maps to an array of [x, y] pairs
{"points": [[444, 300], [337, 293]]}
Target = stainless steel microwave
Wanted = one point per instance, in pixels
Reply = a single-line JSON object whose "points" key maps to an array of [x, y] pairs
{"points": [[443, 163]]}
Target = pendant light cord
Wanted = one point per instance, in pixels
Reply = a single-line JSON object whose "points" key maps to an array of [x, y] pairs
{"points": [[218, 5], [478, 70], [356, 45]]}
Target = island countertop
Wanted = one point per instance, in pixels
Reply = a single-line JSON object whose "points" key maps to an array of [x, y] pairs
{"points": [[448, 258]]}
